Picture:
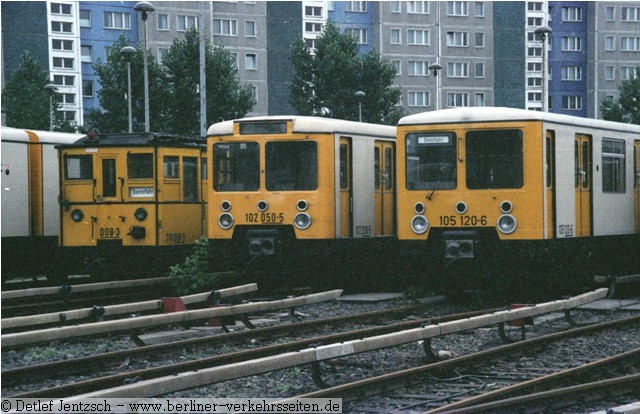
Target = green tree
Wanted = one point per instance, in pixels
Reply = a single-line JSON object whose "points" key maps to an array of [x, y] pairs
{"points": [[330, 77], [226, 97], [25, 102], [627, 107], [114, 115]]}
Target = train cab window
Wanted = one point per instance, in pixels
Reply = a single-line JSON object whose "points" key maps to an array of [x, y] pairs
{"points": [[170, 165], [376, 170], [431, 161], [291, 166], [190, 179], [344, 166], [613, 166], [140, 165], [236, 166], [78, 167], [388, 169], [494, 159]]}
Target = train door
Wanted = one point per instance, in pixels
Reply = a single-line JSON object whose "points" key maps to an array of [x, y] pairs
{"points": [[384, 188], [346, 218], [550, 186], [636, 181], [583, 186]]}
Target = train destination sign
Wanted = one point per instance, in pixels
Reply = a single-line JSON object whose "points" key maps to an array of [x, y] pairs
{"points": [[434, 140]]}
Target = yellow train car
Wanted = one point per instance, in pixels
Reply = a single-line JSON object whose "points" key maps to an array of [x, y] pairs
{"points": [[30, 191], [294, 188], [525, 189], [131, 203]]}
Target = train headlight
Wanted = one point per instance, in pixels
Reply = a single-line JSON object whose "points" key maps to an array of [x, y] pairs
{"points": [[302, 205], [506, 206], [225, 205], [140, 214], [419, 224], [507, 223], [302, 221], [226, 221], [77, 215]]}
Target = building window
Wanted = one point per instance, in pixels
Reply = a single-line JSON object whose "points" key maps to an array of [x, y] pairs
{"points": [[250, 28], [311, 11], [394, 7], [85, 18], [418, 98], [609, 43], [572, 103], [630, 14], [63, 63], [457, 70], [331, 6], [311, 43], [537, 82], [479, 99], [87, 88], [61, 27], [479, 9], [113, 20], [455, 99], [86, 54], [479, 70], [627, 72], [571, 73], [69, 98], [457, 8], [534, 97], [64, 80], [534, 67], [417, 68], [187, 22], [534, 21], [396, 37], [234, 58], [534, 51], [58, 8], [571, 14], [418, 7], [313, 27], [571, 44], [417, 37], [68, 115], [58, 44], [457, 39], [479, 39], [398, 65], [250, 61], [613, 166], [163, 21], [356, 6], [359, 34], [609, 73], [630, 44], [610, 12], [254, 89], [162, 51], [534, 6], [225, 27]]}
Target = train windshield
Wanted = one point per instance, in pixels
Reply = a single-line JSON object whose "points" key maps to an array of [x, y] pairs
{"points": [[236, 166], [494, 159], [431, 161], [78, 167], [291, 165]]}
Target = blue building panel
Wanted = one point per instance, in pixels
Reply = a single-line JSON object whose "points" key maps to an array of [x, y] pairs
{"points": [[348, 19], [108, 22]]}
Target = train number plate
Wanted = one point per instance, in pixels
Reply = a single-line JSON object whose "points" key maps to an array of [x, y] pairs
{"points": [[264, 218], [109, 233], [463, 221]]}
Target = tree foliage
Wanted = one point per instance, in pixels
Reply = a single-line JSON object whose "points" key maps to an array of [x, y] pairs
{"points": [[326, 81], [226, 97], [25, 102], [114, 116], [627, 107]]}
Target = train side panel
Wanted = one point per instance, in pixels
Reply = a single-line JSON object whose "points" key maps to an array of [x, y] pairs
{"points": [[15, 181]]}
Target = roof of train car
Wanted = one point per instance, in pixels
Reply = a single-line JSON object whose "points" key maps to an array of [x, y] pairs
{"points": [[310, 124], [136, 139], [44, 137], [497, 114]]}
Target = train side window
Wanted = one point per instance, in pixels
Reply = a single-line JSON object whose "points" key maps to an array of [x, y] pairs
{"points": [[586, 162], [344, 166], [140, 165], [494, 159], [376, 171], [205, 172], [577, 162], [388, 169], [613, 166], [550, 160], [170, 167], [78, 167], [190, 178]]}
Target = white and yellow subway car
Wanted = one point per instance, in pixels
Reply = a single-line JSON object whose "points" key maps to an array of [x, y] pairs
{"points": [[30, 209], [522, 188], [291, 188]]}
